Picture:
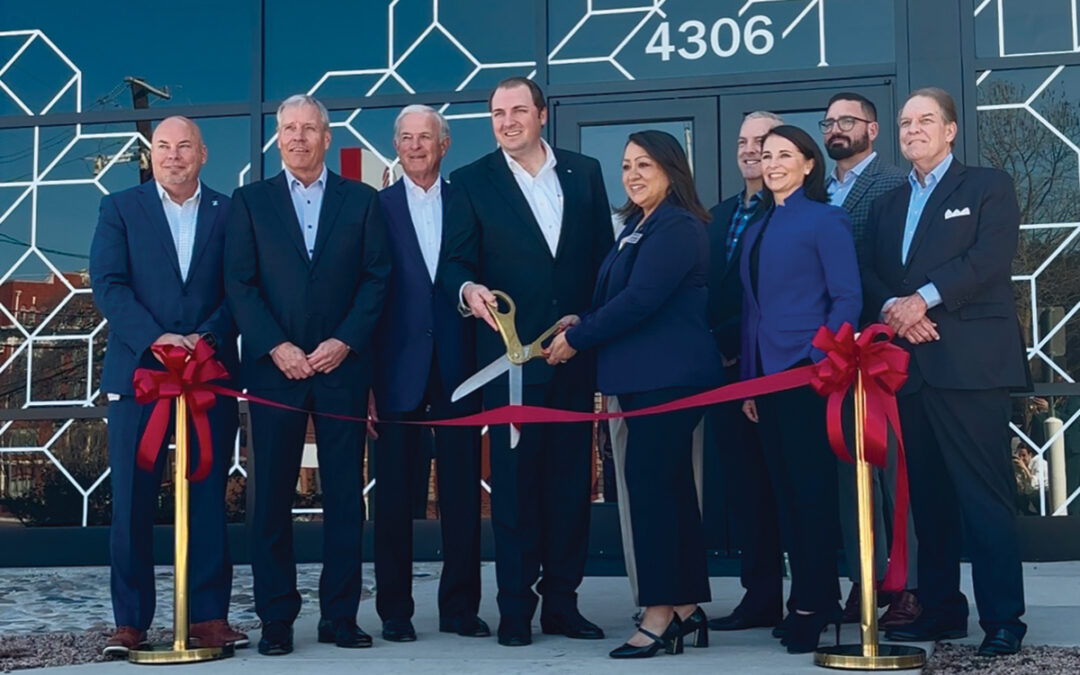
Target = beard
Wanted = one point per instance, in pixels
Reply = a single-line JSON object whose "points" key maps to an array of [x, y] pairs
{"points": [[853, 147]]}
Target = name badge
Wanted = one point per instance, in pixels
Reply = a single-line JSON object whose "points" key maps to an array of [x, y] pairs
{"points": [[632, 239]]}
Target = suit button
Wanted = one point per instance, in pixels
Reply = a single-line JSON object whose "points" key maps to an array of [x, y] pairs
{"points": [[429, 332], [314, 277], [554, 303]]}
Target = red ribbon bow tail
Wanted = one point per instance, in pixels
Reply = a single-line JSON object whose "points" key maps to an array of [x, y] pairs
{"points": [[896, 571]]}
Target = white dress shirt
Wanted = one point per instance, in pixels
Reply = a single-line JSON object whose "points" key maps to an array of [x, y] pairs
{"points": [[544, 195], [307, 201], [183, 219], [425, 209]]}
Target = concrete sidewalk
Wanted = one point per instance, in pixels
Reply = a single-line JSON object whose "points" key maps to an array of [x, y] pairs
{"points": [[1053, 597]]}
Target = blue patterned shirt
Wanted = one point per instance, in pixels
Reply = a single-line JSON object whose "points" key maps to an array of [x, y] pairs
{"points": [[740, 219]]}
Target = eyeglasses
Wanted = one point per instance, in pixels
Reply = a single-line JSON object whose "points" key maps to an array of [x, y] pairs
{"points": [[846, 123]]}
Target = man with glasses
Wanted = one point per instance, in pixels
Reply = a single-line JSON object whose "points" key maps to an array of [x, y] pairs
{"points": [[850, 128]]}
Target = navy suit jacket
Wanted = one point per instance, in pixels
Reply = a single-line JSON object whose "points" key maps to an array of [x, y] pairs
{"points": [[648, 316], [725, 287], [418, 319], [968, 258], [491, 237], [278, 294], [807, 277], [135, 277]]}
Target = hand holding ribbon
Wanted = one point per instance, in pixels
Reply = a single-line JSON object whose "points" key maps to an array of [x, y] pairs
{"points": [[881, 366], [187, 374]]}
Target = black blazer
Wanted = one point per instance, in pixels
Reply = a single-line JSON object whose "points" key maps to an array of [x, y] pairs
{"points": [[277, 294], [725, 287], [491, 237], [968, 257]]}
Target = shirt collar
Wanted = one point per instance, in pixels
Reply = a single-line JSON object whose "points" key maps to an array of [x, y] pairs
{"points": [[855, 171], [192, 199], [754, 199], [292, 180], [434, 191], [935, 175], [549, 162]]}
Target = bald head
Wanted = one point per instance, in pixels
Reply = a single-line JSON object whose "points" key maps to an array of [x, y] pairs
{"points": [[177, 154]]}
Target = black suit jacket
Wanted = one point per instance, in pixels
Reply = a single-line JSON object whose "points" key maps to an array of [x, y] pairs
{"points": [[968, 257], [493, 238], [725, 287], [277, 294]]}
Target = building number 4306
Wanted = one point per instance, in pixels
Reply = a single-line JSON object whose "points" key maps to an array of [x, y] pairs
{"points": [[725, 38]]}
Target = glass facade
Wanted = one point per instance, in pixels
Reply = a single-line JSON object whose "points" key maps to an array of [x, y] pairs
{"points": [[81, 85]]}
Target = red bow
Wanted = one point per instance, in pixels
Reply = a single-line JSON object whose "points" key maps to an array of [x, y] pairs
{"points": [[883, 367], [187, 373]]}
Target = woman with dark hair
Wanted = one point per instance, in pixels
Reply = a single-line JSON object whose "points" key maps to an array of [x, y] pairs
{"points": [[653, 345], [799, 272]]}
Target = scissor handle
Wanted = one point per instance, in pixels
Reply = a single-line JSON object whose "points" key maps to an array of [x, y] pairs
{"points": [[505, 323], [536, 345]]}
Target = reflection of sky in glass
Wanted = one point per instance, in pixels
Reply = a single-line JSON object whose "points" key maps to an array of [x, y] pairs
{"points": [[606, 142], [199, 49]]}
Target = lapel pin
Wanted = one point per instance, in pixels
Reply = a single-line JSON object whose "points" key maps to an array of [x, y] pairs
{"points": [[213, 202]]}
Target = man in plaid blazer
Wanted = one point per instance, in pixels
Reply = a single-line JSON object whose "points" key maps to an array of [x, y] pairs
{"points": [[850, 127]]}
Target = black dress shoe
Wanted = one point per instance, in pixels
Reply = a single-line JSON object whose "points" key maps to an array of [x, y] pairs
{"points": [[929, 629], [671, 641], [514, 632], [572, 625], [277, 638], [1000, 643], [467, 625], [343, 633], [804, 631], [698, 624], [782, 628], [739, 621], [398, 630]]}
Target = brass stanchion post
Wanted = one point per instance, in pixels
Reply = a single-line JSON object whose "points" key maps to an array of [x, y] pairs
{"points": [[868, 654], [178, 651]]}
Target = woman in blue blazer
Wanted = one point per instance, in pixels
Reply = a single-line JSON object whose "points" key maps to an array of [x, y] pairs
{"points": [[653, 345], [799, 272]]}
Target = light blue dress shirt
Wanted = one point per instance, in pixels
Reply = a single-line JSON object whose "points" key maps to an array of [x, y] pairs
{"points": [[839, 189], [920, 194], [307, 201], [182, 219]]}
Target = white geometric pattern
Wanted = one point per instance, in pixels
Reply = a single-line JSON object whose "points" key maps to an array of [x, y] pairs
{"points": [[983, 5]]}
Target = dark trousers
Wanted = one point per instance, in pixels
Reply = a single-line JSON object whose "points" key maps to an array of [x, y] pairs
{"points": [[803, 472], [399, 456], [753, 506], [277, 448], [957, 448], [540, 498], [134, 504], [669, 546]]}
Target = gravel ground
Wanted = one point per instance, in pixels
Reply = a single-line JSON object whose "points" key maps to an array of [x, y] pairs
{"points": [[949, 659]]}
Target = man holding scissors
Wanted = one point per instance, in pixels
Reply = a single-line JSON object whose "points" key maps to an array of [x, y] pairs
{"points": [[535, 223]]}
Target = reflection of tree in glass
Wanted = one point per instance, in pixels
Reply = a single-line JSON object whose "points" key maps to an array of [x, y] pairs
{"points": [[1047, 179]]}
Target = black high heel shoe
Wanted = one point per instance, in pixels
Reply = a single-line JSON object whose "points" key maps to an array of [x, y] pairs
{"points": [[698, 624], [671, 641], [804, 633]]}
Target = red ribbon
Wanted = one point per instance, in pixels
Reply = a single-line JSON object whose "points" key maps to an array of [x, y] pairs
{"points": [[883, 367], [187, 374]]}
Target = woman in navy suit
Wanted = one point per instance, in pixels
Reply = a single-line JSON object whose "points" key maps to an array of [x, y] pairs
{"points": [[653, 345], [799, 272]]}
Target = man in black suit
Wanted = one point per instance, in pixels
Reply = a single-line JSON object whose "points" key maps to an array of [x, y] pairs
{"points": [[746, 477], [533, 222], [424, 348], [940, 250], [306, 264], [859, 177]]}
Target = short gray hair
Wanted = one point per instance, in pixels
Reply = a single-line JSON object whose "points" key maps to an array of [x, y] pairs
{"points": [[297, 100], [765, 115], [444, 128]]}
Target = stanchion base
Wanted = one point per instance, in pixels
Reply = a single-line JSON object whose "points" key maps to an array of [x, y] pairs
{"points": [[165, 654], [889, 657]]}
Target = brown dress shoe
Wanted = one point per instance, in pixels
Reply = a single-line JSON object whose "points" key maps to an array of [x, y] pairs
{"points": [[216, 633], [904, 609], [123, 640]]}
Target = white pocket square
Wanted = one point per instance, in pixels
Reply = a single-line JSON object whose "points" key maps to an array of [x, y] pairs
{"points": [[955, 213]]}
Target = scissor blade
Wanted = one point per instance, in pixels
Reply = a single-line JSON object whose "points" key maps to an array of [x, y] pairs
{"points": [[515, 399], [481, 377]]}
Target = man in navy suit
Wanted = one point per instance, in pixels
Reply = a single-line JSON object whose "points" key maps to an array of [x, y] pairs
{"points": [[156, 273], [859, 177], [534, 222], [424, 349], [746, 477], [306, 264], [941, 250]]}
